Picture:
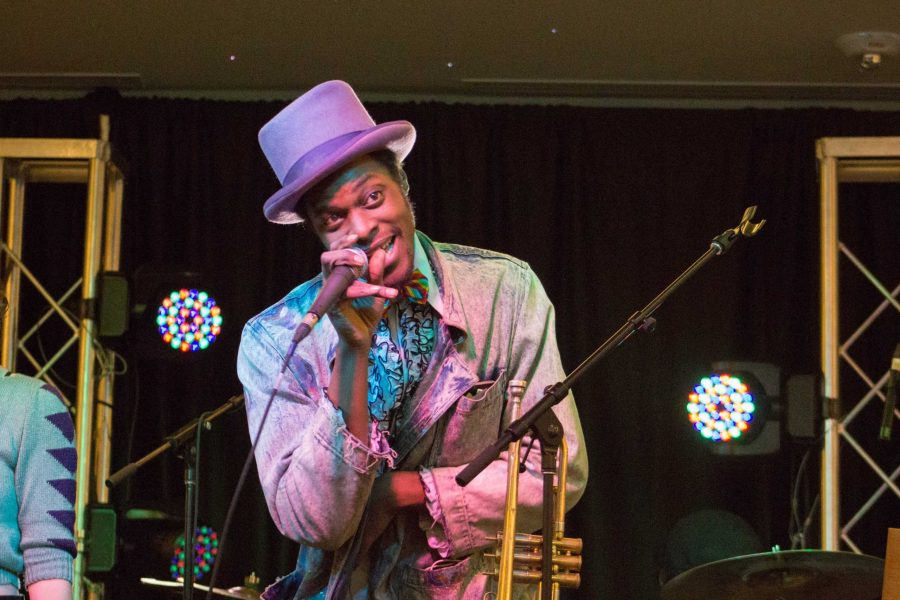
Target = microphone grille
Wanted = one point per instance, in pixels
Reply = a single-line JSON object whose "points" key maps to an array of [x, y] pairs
{"points": [[363, 269]]}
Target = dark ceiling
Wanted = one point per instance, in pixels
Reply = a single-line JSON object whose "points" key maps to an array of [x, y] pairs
{"points": [[776, 49]]}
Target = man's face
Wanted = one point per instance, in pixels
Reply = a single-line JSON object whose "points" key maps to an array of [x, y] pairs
{"points": [[364, 200]]}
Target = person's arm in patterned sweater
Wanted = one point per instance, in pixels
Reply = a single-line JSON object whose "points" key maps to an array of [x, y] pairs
{"points": [[45, 486]]}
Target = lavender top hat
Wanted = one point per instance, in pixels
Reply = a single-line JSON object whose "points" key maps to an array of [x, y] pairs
{"points": [[318, 133]]}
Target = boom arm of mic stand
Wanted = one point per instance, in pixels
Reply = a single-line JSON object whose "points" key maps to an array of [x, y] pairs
{"points": [[642, 320], [173, 441]]}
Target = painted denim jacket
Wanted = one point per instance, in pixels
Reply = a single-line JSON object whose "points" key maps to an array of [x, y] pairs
{"points": [[496, 325]]}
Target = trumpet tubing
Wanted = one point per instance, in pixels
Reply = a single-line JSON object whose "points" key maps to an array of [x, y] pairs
{"points": [[514, 390], [564, 562], [530, 540], [569, 580], [526, 560], [518, 558]]}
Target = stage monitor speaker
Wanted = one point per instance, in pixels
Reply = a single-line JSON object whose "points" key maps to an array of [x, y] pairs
{"points": [[101, 542], [114, 309]]}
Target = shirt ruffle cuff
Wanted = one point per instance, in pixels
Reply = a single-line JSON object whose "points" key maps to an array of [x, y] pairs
{"points": [[433, 523], [332, 432]]}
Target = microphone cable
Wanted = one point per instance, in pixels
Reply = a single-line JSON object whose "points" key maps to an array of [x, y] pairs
{"points": [[345, 274], [246, 468]]}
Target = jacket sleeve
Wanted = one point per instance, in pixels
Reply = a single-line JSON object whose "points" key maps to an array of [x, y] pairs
{"points": [[315, 475], [45, 487], [464, 519]]}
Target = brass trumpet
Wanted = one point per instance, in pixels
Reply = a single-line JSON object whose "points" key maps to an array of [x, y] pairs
{"points": [[517, 558]]}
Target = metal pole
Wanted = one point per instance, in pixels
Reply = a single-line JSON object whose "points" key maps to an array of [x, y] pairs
{"points": [[112, 238], [830, 346], [15, 209], [85, 387]]}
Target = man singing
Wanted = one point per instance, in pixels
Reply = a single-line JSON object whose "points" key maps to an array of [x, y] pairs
{"points": [[400, 384]]}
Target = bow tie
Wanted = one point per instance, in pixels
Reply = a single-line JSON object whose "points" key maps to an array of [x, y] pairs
{"points": [[415, 289]]}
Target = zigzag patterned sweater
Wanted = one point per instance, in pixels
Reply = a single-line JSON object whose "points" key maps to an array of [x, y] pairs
{"points": [[37, 482]]}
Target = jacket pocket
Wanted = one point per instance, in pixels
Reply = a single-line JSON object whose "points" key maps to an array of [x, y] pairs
{"points": [[473, 422], [444, 580]]}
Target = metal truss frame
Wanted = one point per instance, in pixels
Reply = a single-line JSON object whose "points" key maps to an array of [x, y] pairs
{"points": [[87, 161], [848, 159]]}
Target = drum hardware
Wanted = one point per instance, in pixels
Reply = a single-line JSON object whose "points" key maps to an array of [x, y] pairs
{"points": [[788, 575]]}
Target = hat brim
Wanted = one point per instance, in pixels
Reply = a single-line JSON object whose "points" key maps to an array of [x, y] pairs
{"points": [[396, 136]]}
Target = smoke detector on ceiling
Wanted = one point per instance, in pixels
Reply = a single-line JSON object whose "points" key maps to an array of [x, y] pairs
{"points": [[869, 47]]}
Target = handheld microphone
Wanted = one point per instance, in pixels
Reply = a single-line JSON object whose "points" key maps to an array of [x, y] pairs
{"points": [[890, 397], [334, 287]]}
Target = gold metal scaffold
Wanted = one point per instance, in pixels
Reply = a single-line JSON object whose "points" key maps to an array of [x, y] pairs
{"points": [[68, 161], [850, 160]]}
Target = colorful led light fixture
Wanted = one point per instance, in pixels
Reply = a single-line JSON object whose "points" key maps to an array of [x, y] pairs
{"points": [[206, 548], [722, 408], [188, 320]]}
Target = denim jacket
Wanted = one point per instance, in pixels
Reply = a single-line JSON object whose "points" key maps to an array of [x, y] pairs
{"points": [[496, 325]]}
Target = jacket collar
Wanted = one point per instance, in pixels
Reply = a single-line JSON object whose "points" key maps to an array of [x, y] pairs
{"points": [[450, 308]]}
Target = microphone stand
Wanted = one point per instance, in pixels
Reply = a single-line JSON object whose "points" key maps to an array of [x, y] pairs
{"points": [[173, 441], [642, 320]]}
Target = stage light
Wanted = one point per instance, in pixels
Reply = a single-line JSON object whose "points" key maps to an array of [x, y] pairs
{"points": [[205, 549], [734, 408], [188, 320], [177, 314], [722, 408]]}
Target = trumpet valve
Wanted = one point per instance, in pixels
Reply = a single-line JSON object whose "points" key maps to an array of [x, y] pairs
{"points": [[566, 561]]}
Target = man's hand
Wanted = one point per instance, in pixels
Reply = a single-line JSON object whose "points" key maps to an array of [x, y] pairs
{"points": [[391, 493], [355, 317]]}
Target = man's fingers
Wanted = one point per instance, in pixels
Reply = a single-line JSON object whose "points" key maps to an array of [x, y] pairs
{"points": [[333, 258], [376, 266], [359, 289], [339, 254], [344, 242]]}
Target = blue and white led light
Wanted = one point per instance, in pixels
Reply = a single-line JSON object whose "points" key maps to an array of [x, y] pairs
{"points": [[189, 320], [721, 408]]}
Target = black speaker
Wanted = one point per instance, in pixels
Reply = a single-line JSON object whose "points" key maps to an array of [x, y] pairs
{"points": [[114, 307], [101, 539], [804, 407]]}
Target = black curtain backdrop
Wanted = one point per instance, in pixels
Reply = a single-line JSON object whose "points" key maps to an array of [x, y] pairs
{"points": [[607, 204]]}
